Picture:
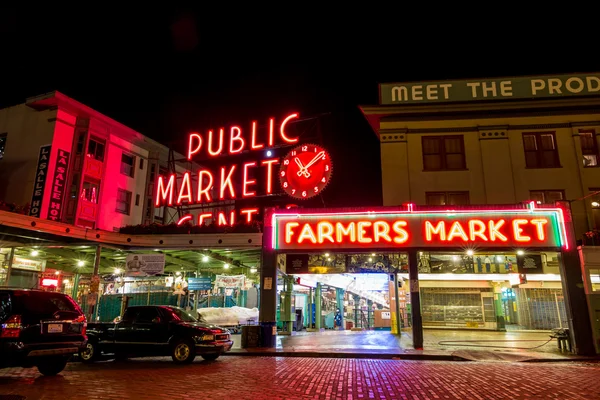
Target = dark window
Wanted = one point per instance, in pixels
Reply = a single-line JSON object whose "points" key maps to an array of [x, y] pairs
{"points": [[127, 164], [96, 149], [130, 314], [90, 191], [589, 148], [447, 198], [178, 314], [141, 163], [152, 173], [443, 153], [35, 306], [123, 201], [5, 307], [80, 142], [546, 196], [3, 137], [540, 150], [146, 315]]}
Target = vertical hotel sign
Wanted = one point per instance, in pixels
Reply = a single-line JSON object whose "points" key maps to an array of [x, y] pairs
{"points": [[57, 193], [39, 184]]}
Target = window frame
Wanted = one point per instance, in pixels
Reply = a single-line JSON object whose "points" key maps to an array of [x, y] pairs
{"points": [[545, 191], [443, 153], [131, 173], [593, 151], [98, 141], [539, 151], [129, 198], [446, 195]]}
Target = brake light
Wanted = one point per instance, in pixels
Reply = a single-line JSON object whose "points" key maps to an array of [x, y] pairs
{"points": [[81, 319], [12, 327]]}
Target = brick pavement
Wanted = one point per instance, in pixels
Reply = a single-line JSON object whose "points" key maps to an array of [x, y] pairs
{"points": [[307, 378]]}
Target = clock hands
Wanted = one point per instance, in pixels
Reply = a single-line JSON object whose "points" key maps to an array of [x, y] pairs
{"points": [[304, 169]]}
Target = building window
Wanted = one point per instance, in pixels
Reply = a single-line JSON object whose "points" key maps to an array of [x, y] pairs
{"points": [[80, 142], [90, 192], [96, 149], [589, 148], [447, 198], [123, 201], [546, 196], [137, 199], [141, 163], [443, 153], [3, 137], [127, 164], [540, 150]]}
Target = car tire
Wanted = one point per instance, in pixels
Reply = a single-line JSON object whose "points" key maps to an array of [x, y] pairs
{"points": [[183, 351], [52, 366], [210, 357], [90, 353]]}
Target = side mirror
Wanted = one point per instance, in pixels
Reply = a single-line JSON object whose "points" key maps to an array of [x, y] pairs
{"points": [[156, 320], [118, 319]]}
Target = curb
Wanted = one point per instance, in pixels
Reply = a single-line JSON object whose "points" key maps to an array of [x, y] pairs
{"points": [[376, 356]]}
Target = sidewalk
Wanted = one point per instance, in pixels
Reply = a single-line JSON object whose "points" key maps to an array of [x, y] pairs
{"points": [[439, 345]]}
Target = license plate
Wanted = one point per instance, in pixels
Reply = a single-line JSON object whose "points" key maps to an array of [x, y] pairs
{"points": [[55, 328]]}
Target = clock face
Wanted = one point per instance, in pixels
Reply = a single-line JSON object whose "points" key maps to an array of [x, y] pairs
{"points": [[305, 171]]}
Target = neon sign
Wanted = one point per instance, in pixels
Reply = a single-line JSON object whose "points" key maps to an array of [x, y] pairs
{"points": [[512, 228]]}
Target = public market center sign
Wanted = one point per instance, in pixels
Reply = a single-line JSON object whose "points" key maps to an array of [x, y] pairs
{"points": [[524, 87]]}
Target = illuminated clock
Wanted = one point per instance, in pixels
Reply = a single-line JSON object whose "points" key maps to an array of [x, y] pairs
{"points": [[305, 171]]}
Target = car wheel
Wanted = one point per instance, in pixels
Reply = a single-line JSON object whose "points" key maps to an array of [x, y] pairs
{"points": [[210, 357], [183, 351], [90, 353], [52, 365]]}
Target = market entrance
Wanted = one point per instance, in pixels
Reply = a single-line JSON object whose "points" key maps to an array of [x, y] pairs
{"points": [[493, 270]]}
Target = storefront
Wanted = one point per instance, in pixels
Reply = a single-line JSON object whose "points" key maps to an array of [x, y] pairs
{"points": [[492, 268]]}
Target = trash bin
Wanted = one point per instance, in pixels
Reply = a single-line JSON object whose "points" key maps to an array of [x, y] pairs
{"points": [[250, 336], [268, 334]]}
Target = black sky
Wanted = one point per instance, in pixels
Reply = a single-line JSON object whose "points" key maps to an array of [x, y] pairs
{"points": [[165, 72]]}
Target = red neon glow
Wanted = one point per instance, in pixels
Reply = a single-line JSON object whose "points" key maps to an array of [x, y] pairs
{"points": [[194, 144], [519, 237], [539, 224], [282, 129], [249, 212], [269, 164], [226, 183], [253, 144], [49, 282], [247, 181], [210, 143], [305, 171], [236, 136], [222, 220], [271, 131], [185, 193], [165, 194], [476, 229], [204, 188], [184, 219], [202, 217]]}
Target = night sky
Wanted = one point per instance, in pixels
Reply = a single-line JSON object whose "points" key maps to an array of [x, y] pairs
{"points": [[165, 73]]}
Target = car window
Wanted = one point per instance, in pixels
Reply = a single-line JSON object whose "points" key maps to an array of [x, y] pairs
{"points": [[36, 306], [181, 315], [130, 314], [5, 306], [146, 315]]}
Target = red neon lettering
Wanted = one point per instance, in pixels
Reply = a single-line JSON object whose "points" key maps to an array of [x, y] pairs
{"points": [[439, 229], [361, 232], [307, 234], [249, 212], [162, 192], [253, 144], [184, 219], [381, 229], [477, 229], [282, 129], [226, 182], [247, 182], [517, 230], [271, 129], [539, 226], [202, 217], [232, 218], [340, 232], [457, 230], [191, 144], [210, 144], [185, 193], [269, 164], [398, 228], [494, 228], [204, 189], [289, 231], [235, 135], [221, 221], [325, 231]]}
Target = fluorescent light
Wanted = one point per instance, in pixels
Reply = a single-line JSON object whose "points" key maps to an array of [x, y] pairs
{"points": [[34, 253]]}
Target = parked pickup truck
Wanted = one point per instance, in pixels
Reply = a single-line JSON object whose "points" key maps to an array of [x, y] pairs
{"points": [[156, 331]]}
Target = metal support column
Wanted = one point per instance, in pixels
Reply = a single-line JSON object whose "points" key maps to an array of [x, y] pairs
{"points": [[580, 328], [94, 295], [370, 314], [397, 306], [309, 305], [268, 290], [75, 286], [11, 256], [318, 316], [339, 297], [356, 308], [415, 300]]}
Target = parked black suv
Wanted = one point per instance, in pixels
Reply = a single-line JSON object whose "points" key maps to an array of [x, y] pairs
{"points": [[39, 329]]}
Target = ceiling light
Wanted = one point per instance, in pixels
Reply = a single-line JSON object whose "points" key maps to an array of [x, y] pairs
{"points": [[326, 254], [117, 271], [595, 204], [370, 259], [177, 273], [57, 273], [66, 281], [470, 252], [205, 259], [253, 270], [520, 252], [80, 263], [34, 253], [226, 266], [373, 254]]}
